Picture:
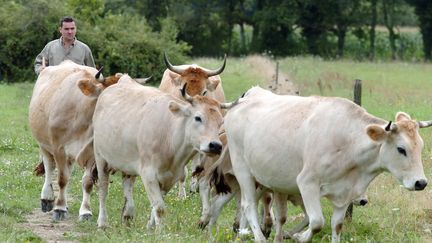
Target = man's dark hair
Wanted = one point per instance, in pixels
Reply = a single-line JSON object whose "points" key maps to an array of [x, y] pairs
{"points": [[67, 19]]}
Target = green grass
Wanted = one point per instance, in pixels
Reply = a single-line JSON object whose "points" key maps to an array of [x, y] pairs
{"points": [[392, 215]]}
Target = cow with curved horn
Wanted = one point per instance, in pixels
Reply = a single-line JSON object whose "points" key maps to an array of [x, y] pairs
{"points": [[200, 81], [160, 134], [60, 118]]}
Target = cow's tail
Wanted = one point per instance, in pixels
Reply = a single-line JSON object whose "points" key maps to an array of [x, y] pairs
{"points": [[216, 176]]}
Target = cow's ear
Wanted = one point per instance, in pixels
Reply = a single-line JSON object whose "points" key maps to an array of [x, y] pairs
{"points": [[400, 116], [175, 78], [376, 132], [178, 109], [212, 83], [88, 88]]}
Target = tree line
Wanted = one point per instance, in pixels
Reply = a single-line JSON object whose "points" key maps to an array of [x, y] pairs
{"points": [[131, 35]]}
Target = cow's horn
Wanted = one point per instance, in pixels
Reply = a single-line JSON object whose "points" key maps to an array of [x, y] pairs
{"points": [[171, 67], [185, 95], [217, 71], [391, 127], [99, 73], [229, 105], [387, 128], [423, 124]]}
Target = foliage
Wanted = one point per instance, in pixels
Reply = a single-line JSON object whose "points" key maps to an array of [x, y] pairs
{"points": [[125, 43], [130, 35], [24, 30]]}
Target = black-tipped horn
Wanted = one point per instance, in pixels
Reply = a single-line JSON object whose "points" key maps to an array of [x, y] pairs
{"points": [[229, 105], [171, 67], [217, 71], [423, 124], [99, 72], [185, 95], [387, 128]]}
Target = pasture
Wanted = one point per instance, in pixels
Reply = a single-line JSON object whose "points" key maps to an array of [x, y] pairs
{"points": [[392, 214]]}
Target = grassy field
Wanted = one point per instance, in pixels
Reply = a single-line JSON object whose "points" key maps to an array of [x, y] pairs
{"points": [[392, 215]]}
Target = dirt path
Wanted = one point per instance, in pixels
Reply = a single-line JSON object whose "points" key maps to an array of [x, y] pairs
{"points": [[266, 68], [41, 223]]}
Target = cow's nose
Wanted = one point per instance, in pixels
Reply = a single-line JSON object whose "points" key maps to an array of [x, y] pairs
{"points": [[215, 147], [363, 202], [420, 184]]}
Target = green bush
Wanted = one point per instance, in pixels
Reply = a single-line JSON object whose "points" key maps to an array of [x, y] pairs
{"points": [[125, 43]]}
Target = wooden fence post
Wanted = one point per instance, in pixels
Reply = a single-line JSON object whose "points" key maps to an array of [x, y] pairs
{"points": [[357, 100]]}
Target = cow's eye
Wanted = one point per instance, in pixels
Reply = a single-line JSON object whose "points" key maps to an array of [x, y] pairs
{"points": [[198, 119], [204, 93], [401, 151]]}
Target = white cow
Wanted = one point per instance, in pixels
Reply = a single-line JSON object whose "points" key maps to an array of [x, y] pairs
{"points": [[142, 131], [317, 147]]}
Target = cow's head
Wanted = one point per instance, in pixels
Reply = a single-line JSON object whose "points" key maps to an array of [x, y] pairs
{"points": [[401, 149], [198, 79], [203, 120], [93, 85]]}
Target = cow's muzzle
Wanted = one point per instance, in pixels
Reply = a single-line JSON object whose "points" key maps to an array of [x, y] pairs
{"points": [[215, 147], [420, 185]]}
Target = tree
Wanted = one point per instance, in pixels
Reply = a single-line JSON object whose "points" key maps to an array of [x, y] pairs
{"points": [[373, 23], [423, 9], [274, 22], [315, 25]]}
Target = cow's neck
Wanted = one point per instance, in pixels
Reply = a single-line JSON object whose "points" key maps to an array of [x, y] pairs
{"points": [[184, 149]]}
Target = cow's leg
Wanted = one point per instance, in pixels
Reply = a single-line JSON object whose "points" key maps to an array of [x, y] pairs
{"points": [[310, 192], [297, 201], [197, 161], [47, 193], [182, 184], [86, 159], [87, 187], [280, 202], [218, 201], [267, 216], [204, 192], [64, 167], [129, 205], [248, 197], [103, 183], [154, 193], [240, 221], [337, 221]]}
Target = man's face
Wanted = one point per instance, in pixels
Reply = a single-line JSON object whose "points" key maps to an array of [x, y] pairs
{"points": [[68, 31]]}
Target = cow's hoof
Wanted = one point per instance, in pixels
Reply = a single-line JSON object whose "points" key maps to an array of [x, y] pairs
{"points": [[47, 205], [236, 227], [59, 215], [267, 230], [202, 224], [85, 217], [127, 220]]}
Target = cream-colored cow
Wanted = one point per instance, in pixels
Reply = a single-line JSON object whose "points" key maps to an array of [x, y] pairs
{"points": [[60, 118], [316, 147], [142, 131], [199, 81]]}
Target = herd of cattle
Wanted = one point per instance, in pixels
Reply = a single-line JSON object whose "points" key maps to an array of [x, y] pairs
{"points": [[275, 147]]}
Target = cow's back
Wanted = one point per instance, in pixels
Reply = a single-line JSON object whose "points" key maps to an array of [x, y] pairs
{"points": [[126, 103], [58, 109], [276, 134]]}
